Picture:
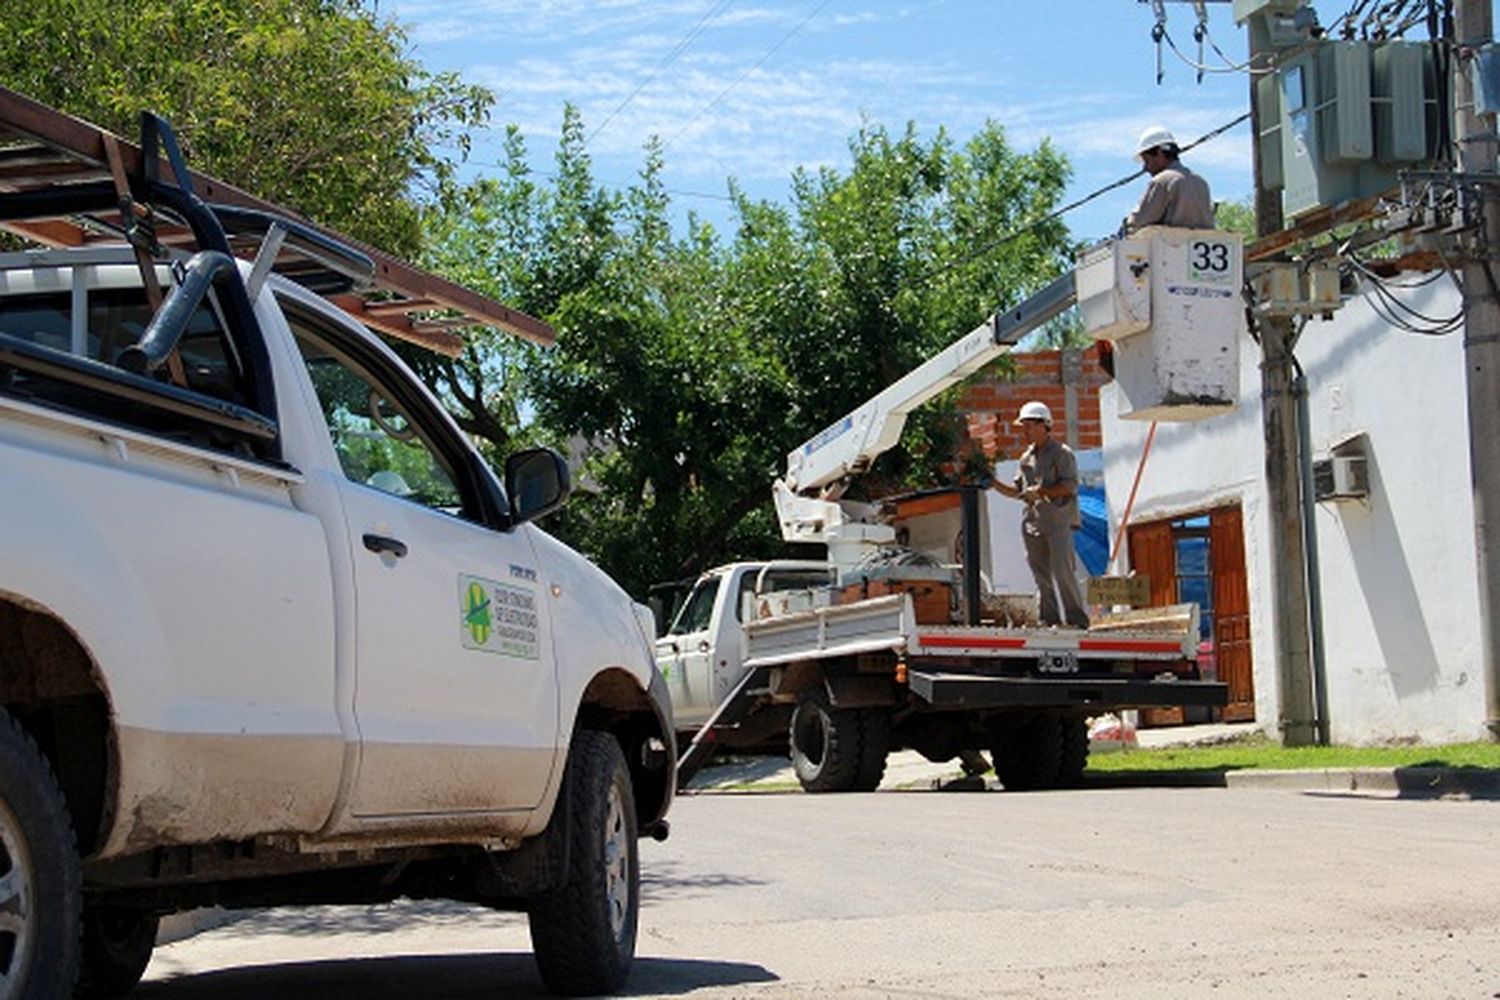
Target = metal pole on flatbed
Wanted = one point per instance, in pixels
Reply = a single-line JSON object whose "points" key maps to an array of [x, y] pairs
{"points": [[1474, 26]]}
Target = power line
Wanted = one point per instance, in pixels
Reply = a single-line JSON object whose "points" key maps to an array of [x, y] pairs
{"points": [[738, 80], [718, 8], [1030, 227]]}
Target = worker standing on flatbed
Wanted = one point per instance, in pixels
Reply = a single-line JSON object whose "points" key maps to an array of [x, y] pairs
{"points": [[1047, 482]]}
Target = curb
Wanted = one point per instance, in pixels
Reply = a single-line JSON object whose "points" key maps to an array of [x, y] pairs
{"points": [[1400, 782]]}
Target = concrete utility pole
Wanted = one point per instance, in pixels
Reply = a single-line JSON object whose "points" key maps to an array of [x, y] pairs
{"points": [[1283, 474], [1476, 155]]}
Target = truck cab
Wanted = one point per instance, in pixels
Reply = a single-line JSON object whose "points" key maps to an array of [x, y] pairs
{"points": [[702, 653]]}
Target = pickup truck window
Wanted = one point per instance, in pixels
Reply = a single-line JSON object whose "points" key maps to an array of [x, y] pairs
{"points": [[376, 443], [115, 319], [774, 581], [699, 609]]}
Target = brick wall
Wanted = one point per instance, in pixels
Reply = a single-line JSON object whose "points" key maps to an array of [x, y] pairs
{"points": [[990, 405]]}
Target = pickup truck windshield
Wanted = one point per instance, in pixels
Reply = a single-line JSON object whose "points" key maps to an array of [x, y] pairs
{"points": [[698, 610]]}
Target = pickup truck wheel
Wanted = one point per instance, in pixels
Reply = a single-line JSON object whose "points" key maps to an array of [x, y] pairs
{"points": [[583, 932], [40, 879], [825, 745], [117, 945], [1028, 753], [1074, 757]]}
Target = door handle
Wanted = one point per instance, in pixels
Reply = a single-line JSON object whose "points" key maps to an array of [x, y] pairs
{"points": [[381, 543], [703, 646]]}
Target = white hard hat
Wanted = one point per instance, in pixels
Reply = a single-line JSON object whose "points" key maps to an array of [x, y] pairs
{"points": [[1156, 135], [1035, 410]]}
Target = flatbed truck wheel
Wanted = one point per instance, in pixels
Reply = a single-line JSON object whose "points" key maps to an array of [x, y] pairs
{"points": [[1074, 757], [874, 747], [1027, 752], [825, 744]]}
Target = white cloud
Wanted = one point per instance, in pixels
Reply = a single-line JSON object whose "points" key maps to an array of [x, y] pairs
{"points": [[801, 105]]}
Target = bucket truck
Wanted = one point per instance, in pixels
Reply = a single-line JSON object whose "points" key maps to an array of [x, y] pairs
{"points": [[895, 641]]}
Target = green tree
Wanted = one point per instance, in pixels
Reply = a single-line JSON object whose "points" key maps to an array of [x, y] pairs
{"points": [[687, 366], [1237, 217], [914, 246], [310, 103]]}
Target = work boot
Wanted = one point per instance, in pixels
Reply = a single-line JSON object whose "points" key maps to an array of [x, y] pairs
{"points": [[973, 762]]}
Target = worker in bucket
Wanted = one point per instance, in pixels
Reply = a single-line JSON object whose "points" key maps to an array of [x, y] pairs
{"points": [[1175, 196], [1047, 482]]}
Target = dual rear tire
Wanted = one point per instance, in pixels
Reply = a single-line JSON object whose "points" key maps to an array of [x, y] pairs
{"points": [[1040, 750], [838, 750]]}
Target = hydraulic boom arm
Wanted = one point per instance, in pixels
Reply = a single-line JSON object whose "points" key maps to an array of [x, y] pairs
{"points": [[851, 444]]}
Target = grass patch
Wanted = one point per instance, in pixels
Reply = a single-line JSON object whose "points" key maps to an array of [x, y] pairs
{"points": [[1259, 753]]}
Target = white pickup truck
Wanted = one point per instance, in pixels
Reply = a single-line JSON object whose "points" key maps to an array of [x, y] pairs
{"points": [[271, 631]]}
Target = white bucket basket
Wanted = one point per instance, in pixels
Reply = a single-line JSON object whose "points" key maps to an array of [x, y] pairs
{"points": [[1170, 299]]}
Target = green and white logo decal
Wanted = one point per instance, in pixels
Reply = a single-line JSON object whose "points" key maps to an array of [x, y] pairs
{"points": [[498, 617], [477, 613]]}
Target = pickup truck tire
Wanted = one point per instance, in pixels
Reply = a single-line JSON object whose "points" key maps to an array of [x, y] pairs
{"points": [[1028, 752], [117, 945], [825, 745], [583, 932], [41, 894]]}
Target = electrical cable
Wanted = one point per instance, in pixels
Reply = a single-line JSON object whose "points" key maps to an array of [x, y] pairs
{"points": [[1389, 308], [693, 33], [1029, 227], [1244, 67], [739, 79]]}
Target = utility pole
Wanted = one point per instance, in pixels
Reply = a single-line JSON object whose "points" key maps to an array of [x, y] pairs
{"points": [[1278, 337], [1481, 302]]}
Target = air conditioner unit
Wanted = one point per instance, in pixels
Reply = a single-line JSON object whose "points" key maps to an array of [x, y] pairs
{"points": [[1341, 477]]}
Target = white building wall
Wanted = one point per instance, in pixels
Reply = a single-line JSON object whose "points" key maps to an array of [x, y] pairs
{"points": [[1398, 572]]}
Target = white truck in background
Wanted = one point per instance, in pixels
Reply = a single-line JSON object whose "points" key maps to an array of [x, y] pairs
{"points": [[897, 641], [271, 631]]}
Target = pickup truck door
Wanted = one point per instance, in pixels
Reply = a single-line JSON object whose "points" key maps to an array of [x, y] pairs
{"points": [[690, 645], [456, 695]]}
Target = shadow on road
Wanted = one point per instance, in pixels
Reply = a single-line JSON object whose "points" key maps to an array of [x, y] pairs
{"points": [[667, 880], [434, 977]]}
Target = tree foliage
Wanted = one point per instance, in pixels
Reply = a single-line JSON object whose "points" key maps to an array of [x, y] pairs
{"points": [[688, 365], [310, 103], [688, 361]]}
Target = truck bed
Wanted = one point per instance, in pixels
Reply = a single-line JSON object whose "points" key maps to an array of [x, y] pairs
{"points": [[888, 624]]}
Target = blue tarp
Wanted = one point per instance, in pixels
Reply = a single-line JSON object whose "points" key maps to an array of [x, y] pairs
{"points": [[1091, 540]]}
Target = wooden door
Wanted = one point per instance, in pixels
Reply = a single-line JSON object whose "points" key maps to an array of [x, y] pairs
{"points": [[1153, 554], [1226, 553]]}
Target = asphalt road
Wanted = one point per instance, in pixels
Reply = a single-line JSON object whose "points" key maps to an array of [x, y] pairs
{"points": [[1108, 893]]}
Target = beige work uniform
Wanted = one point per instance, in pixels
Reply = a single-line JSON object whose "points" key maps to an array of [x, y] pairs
{"points": [[1047, 532], [1175, 197]]}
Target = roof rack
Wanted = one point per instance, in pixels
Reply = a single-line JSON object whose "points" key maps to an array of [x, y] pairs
{"points": [[67, 183]]}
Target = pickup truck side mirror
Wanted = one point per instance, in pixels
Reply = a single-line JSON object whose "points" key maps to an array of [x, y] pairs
{"points": [[537, 482]]}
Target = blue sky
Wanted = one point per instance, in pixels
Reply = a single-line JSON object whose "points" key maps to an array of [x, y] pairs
{"points": [[765, 86]]}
